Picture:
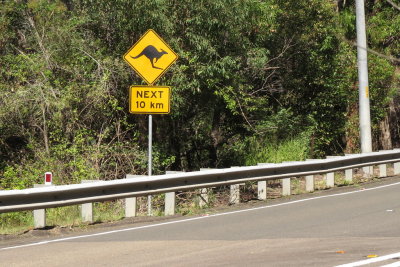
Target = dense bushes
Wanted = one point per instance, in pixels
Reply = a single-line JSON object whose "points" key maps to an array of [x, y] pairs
{"points": [[256, 81]]}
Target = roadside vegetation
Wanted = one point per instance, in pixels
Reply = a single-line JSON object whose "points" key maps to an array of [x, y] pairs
{"points": [[256, 81]]}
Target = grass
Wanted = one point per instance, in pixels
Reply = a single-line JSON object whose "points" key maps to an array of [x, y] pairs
{"points": [[295, 149], [19, 222]]}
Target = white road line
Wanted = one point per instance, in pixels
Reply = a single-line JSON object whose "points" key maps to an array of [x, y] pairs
{"points": [[196, 218], [373, 260], [395, 264]]}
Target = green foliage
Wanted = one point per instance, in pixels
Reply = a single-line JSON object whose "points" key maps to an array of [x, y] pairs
{"points": [[251, 73], [15, 222]]}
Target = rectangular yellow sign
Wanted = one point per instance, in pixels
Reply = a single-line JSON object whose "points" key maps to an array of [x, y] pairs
{"points": [[149, 99]]}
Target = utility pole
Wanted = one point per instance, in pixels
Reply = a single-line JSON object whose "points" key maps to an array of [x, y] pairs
{"points": [[363, 89]]}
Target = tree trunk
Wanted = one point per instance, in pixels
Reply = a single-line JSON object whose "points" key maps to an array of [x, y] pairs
{"points": [[385, 135]]}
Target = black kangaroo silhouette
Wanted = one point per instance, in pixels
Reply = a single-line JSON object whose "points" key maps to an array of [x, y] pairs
{"points": [[151, 53]]}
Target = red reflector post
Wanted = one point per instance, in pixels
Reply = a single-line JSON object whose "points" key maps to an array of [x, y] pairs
{"points": [[48, 178]]}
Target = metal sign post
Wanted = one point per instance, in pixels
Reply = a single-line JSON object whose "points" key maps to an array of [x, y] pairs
{"points": [[150, 57], [149, 206]]}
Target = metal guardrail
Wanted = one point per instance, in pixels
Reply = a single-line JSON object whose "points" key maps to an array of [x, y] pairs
{"points": [[64, 195]]}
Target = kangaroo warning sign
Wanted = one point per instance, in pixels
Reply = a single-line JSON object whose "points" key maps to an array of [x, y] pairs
{"points": [[150, 57], [149, 99]]}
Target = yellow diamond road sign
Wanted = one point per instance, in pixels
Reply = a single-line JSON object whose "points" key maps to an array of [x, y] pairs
{"points": [[150, 57], [149, 99]]}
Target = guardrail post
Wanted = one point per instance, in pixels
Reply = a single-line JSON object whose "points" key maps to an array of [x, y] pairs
{"points": [[130, 202], [39, 216], [310, 180], [286, 184], [382, 170], [262, 190], [286, 187], [203, 198], [169, 203], [234, 197], [310, 183], [396, 167], [262, 185], [330, 179], [87, 208], [368, 171], [348, 175], [203, 194]]}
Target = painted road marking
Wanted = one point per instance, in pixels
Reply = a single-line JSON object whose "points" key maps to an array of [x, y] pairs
{"points": [[373, 260], [199, 218], [395, 264]]}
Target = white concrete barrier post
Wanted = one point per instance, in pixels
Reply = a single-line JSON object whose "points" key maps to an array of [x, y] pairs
{"points": [[203, 192], [310, 180], [131, 202], [262, 190], [286, 183], [348, 175], [87, 208], [382, 170], [262, 185], [170, 200], [286, 190], [234, 197], [310, 183], [368, 171], [330, 179], [169, 204], [396, 167], [39, 216], [203, 198]]}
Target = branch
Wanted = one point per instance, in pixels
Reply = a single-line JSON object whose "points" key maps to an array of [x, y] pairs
{"points": [[391, 58], [393, 5]]}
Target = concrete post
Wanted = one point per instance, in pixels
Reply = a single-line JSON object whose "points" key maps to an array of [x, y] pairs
{"points": [[169, 203], [203, 193], [330, 179], [203, 199], [286, 191], [130, 202], [39, 216], [310, 180], [396, 167], [363, 90], [368, 171], [234, 194], [262, 190], [262, 185], [87, 208], [348, 175], [130, 207], [310, 187], [382, 170]]}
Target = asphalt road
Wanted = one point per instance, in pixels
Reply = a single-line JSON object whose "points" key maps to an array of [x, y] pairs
{"points": [[322, 229]]}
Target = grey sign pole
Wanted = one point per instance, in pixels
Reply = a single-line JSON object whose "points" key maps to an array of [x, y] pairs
{"points": [[149, 207], [364, 108]]}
